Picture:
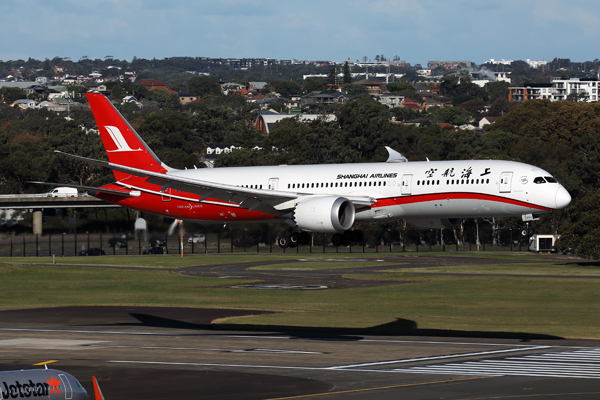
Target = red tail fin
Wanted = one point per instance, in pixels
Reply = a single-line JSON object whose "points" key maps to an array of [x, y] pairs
{"points": [[122, 143]]}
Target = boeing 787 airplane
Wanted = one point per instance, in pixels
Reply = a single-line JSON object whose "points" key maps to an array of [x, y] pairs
{"points": [[325, 198]]}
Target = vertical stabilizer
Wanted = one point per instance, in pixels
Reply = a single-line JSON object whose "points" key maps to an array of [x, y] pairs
{"points": [[122, 143]]}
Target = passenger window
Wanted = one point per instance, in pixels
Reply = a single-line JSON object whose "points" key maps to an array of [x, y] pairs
{"points": [[539, 179]]}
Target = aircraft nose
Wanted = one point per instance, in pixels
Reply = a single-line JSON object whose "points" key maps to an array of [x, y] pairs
{"points": [[563, 198]]}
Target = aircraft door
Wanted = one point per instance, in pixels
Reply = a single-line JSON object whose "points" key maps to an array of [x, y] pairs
{"points": [[406, 184], [67, 385], [165, 195], [505, 182], [273, 183]]}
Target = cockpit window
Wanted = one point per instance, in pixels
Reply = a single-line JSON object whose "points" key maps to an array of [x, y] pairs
{"points": [[550, 179], [539, 179]]}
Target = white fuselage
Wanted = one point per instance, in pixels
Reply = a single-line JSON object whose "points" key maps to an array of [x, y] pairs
{"points": [[436, 189]]}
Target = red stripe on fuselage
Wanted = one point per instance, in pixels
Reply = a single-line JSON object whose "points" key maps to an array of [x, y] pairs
{"points": [[422, 198]]}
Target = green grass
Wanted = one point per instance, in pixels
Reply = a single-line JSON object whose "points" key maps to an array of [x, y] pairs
{"points": [[554, 306], [514, 269], [172, 261]]}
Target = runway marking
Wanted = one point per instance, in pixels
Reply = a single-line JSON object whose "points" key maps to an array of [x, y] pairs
{"points": [[46, 362], [192, 364], [583, 364], [408, 360], [381, 388], [273, 351]]}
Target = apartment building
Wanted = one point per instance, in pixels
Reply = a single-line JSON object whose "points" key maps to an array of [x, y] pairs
{"points": [[586, 89]]}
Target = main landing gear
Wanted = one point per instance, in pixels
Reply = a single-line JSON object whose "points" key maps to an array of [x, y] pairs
{"points": [[292, 239]]}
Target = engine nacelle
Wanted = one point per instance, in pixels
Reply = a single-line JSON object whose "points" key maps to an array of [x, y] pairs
{"points": [[434, 223], [328, 214]]}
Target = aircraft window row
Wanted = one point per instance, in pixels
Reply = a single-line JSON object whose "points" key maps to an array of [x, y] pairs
{"points": [[545, 179], [454, 182], [252, 186], [336, 184]]}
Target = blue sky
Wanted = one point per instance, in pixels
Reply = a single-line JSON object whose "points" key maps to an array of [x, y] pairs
{"points": [[416, 31]]}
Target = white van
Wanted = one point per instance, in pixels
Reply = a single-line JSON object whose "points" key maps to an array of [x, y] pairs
{"points": [[197, 238], [539, 243], [63, 192]]}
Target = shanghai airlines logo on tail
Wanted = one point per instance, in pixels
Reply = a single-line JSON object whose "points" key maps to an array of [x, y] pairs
{"points": [[119, 140]]}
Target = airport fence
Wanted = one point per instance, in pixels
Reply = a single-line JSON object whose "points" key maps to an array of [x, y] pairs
{"points": [[238, 241]]}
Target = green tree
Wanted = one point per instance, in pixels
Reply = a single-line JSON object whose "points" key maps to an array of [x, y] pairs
{"points": [[10, 94], [355, 90], [166, 100], [204, 85], [581, 233], [332, 75], [347, 76]]}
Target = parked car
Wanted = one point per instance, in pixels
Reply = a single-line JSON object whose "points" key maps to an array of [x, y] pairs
{"points": [[92, 251], [63, 192], [156, 250], [197, 238], [156, 241], [117, 242]]}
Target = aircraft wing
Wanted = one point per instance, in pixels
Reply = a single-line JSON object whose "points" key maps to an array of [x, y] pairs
{"points": [[268, 201]]}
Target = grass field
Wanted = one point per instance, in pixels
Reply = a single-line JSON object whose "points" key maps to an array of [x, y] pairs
{"points": [[562, 306]]}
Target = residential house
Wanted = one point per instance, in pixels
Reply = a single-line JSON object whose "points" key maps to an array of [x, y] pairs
{"points": [[428, 103], [374, 86], [152, 84], [256, 86], [413, 105], [186, 98], [265, 122], [231, 88], [390, 100], [326, 98], [487, 121], [26, 103]]}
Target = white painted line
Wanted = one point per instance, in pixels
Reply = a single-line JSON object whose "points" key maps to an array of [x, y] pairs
{"points": [[259, 336], [273, 351], [408, 360], [250, 366]]}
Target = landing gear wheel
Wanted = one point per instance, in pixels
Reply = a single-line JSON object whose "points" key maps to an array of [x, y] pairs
{"points": [[294, 238], [337, 240], [283, 241]]}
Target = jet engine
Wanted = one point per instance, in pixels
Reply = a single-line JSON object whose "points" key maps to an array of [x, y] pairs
{"points": [[328, 214], [434, 223]]}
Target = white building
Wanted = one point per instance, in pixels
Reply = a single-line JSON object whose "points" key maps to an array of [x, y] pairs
{"points": [[559, 89], [587, 89], [532, 63]]}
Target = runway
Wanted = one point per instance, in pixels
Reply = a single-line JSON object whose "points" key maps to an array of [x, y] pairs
{"points": [[176, 353]]}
